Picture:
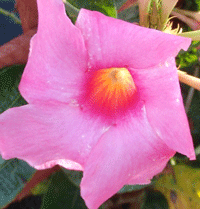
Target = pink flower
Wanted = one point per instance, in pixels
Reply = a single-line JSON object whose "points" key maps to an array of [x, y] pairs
{"points": [[103, 97]]}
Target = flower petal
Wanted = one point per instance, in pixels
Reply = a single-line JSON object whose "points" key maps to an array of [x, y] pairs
{"points": [[160, 90], [46, 135], [116, 43], [130, 153], [57, 58]]}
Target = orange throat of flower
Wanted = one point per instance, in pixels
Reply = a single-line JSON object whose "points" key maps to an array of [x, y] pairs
{"points": [[112, 89]]}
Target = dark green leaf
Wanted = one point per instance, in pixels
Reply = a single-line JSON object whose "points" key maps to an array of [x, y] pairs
{"points": [[130, 188], [62, 193], [119, 3], [130, 15], [194, 113], [9, 93], [74, 176], [191, 5], [189, 57], [155, 200], [71, 10], [127, 200], [13, 176], [1, 160], [105, 6], [29, 202]]}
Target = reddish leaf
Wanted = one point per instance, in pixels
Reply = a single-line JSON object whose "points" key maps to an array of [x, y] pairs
{"points": [[126, 5], [28, 14], [16, 50]]}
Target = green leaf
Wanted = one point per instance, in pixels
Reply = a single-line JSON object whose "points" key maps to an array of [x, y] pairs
{"points": [[74, 176], [191, 5], [71, 10], [189, 57], [119, 3], [181, 186], [155, 199], [62, 193], [29, 202], [198, 3], [41, 188], [107, 7], [1, 160], [9, 93], [127, 200], [13, 176], [194, 35], [130, 188], [130, 15], [194, 113]]}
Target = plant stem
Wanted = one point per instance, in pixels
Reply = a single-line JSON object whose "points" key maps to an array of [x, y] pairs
{"points": [[10, 14], [191, 92], [189, 80]]}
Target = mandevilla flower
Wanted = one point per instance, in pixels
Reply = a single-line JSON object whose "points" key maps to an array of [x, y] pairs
{"points": [[103, 97]]}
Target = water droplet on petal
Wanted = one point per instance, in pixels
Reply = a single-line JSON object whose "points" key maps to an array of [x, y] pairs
{"points": [[105, 128], [158, 133], [74, 103]]}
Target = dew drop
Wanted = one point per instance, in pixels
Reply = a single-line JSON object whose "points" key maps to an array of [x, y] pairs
{"points": [[74, 103], [89, 147], [89, 66], [158, 133], [105, 129]]}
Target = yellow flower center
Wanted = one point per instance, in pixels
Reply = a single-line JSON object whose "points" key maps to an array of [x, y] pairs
{"points": [[112, 89]]}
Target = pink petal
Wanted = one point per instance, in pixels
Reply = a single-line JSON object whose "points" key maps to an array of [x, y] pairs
{"points": [[128, 153], [69, 164], [160, 90], [57, 59], [46, 135], [116, 43]]}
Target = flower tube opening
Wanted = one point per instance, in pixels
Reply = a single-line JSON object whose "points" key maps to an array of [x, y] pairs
{"points": [[111, 90]]}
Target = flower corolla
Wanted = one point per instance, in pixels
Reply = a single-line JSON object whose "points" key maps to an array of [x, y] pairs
{"points": [[103, 97]]}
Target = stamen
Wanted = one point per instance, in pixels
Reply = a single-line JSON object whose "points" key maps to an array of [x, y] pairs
{"points": [[112, 89]]}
